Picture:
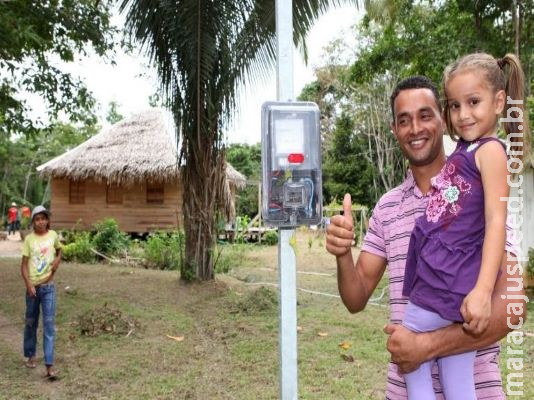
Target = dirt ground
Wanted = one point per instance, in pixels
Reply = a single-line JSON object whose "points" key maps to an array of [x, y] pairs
{"points": [[12, 246]]}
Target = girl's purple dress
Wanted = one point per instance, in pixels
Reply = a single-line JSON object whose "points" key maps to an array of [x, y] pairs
{"points": [[444, 257], [445, 250]]}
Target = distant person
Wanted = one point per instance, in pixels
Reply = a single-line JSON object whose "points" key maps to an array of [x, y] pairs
{"points": [[25, 211], [418, 127], [18, 220], [456, 248], [12, 218], [41, 255]]}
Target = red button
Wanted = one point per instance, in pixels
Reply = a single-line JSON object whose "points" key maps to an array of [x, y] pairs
{"points": [[295, 158]]}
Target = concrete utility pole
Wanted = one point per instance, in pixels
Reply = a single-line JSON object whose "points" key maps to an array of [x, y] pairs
{"points": [[287, 274]]}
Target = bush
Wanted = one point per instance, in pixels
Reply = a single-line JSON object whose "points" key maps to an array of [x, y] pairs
{"points": [[108, 239], [228, 256], [270, 238], [79, 249], [25, 223], [261, 300], [163, 250]]}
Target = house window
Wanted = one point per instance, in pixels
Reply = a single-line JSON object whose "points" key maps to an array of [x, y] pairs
{"points": [[76, 192], [154, 193], [113, 194]]}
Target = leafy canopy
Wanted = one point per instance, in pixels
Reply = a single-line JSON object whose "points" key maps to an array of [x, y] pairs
{"points": [[34, 36]]}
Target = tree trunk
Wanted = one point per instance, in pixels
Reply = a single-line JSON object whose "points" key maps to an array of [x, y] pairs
{"points": [[515, 23], [28, 175], [202, 179], [199, 225]]}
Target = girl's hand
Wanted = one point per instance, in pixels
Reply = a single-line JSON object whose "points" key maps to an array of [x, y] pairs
{"points": [[31, 291], [476, 311]]}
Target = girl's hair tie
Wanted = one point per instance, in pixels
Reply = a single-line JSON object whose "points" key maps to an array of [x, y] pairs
{"points": [[501, 62]]}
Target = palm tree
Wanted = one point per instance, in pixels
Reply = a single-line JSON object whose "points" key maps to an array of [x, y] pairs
{"points": [[203, 51]]}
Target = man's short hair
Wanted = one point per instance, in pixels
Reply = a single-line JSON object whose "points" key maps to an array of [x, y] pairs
{"points": [[414, 82]]}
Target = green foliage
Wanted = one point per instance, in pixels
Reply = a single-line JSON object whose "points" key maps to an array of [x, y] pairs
{"points": [[33, 36], [247, 160], [270, 238], [259, 301], [347, 167], [19, 158], [241, 228], [421, 38], [530, 265], [78, 249], [108, 239], [164, 250], [25, 223], [113, 116], [228, 256]]}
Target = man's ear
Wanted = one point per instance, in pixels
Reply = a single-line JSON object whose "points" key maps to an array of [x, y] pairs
{"points": [[393, 128], [500, 101]]}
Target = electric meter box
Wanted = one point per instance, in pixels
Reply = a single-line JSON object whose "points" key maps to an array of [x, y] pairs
{"points": [[291, 161]]}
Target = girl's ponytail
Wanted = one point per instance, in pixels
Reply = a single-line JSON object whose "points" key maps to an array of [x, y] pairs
{"points": [[516, 124]]}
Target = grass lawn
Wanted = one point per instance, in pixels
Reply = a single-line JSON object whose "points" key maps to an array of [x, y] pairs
{"points": [[229, 328]]}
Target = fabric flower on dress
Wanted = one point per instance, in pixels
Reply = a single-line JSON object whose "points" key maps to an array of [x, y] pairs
{"points": [[451, 194]]}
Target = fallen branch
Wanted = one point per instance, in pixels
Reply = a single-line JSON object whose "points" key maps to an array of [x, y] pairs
{"points": [[112, 260]]}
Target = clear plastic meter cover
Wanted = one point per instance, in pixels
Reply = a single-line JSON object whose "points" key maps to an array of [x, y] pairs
{"points": [[291, 161]]}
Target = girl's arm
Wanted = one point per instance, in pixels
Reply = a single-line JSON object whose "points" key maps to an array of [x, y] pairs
{"points": [[26, 276], [491, 160], [57, 260], [408, 349]]}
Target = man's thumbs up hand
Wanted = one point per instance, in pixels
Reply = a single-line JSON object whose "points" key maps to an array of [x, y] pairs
{"points": [[340, 231]]}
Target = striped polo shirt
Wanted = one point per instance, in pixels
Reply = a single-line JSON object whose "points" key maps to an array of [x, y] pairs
{"points": [[388, 236]]}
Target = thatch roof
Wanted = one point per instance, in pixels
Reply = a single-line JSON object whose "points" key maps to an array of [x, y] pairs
{"points": [[133, 150], [235, 176]]}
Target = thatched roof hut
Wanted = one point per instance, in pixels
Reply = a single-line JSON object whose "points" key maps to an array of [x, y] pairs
{"points": [[131, 155], [133, 150]]}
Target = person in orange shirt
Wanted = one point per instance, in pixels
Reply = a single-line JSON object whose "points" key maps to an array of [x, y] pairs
{"points": [[25, 211]]}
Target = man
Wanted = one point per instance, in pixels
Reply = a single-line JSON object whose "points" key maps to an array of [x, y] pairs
{"points": [[12, 214], [418, 127]]}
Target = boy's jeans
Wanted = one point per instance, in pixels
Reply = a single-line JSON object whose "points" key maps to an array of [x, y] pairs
{"points": [[46, 298]]}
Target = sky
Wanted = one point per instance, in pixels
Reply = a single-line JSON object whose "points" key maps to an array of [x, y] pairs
{"points": [[130, 82]]}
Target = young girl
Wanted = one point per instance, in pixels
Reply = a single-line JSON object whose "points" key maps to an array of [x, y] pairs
{"points": [[41, 254], [456, 248]]}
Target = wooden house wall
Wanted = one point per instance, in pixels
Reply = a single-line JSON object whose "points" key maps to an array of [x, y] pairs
{"points": [[133, 215]]}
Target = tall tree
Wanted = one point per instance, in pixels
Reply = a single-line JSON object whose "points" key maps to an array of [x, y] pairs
{"points": [[34, 35], [203, 51]]}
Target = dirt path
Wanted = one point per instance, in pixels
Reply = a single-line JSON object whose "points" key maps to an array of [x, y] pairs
{"points": [[11, 335], [11, 247]]}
